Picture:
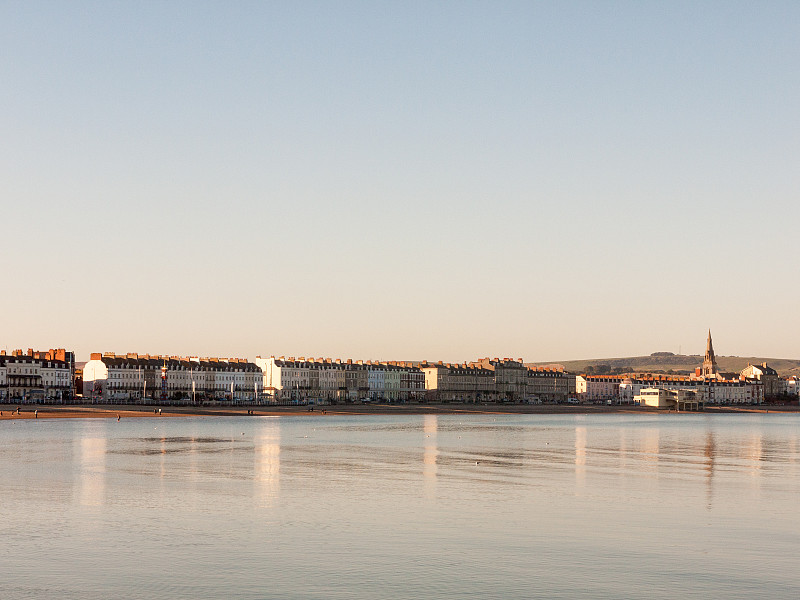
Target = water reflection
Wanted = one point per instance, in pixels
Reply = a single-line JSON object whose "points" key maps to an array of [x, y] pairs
{"points": [[92, 463], [267, 469], [430, 454], [193, 470], [753, 451], [162, 471], [580, 456], [650, 449], [709, 451], [435, 495]]}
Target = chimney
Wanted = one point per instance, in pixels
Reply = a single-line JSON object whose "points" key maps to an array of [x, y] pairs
{"points": [[96, 356]]}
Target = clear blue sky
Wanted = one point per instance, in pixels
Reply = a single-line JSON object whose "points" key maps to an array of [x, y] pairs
{"points": [[413, 180]]}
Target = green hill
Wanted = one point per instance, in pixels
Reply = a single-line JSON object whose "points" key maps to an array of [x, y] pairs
{"points": [[667, 362]]}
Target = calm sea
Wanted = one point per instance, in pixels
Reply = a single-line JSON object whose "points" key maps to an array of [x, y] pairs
{"points": [[367, 507]]}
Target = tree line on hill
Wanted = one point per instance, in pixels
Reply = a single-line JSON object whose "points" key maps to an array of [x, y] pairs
{"points": [[604, 369]]}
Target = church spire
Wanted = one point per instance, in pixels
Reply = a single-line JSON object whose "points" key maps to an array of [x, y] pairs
{"points": [[709, 348], [710, 361]]}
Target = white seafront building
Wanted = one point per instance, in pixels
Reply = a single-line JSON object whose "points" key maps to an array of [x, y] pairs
{"points": [[708, 392], [285, 379], [791, 386], [133, 378], [595, 388], [656, 397], [324, 380]]}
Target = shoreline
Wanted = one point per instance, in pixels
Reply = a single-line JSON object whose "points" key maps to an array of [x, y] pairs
{"points": [[111, 411]]}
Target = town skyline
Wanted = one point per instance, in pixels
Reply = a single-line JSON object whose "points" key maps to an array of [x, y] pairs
{"points": [[80, 357], [54, 376]]}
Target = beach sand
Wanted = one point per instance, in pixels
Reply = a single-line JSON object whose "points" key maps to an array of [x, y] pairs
{"points": [[28, 411]]}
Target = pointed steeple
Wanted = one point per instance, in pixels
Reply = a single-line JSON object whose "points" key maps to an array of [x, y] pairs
{"points": [[709, 348], [710, 361]]}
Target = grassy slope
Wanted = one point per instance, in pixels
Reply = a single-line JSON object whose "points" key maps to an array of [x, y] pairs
{"points": [[682, 362]]}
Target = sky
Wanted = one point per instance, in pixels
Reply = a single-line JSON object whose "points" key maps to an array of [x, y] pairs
{"points": [[400, 181]]}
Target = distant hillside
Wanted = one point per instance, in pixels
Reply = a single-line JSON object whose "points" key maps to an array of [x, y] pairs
{"points": [[679, 364]]}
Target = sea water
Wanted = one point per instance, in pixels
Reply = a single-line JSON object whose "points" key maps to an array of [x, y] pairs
{"points": [[428, 506]]}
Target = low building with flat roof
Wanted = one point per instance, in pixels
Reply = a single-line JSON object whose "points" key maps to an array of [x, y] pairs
{"points": [[662, 398]]}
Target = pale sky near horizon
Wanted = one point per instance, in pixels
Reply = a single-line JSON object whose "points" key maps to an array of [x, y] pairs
{"points": [[416, 180]]}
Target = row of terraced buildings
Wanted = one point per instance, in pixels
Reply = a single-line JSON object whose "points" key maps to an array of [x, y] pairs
{"points": [[488, 380]]}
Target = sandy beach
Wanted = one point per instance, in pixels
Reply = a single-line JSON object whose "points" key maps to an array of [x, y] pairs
{"points": [[9, 411]]}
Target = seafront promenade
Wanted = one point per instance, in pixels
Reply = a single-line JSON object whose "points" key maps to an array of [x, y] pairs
{"points": [[88, 411], [54, 377]]}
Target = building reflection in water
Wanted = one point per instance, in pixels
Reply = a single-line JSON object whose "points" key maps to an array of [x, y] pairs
{"points": [[623, 450], [92, 461], [710, 453], [580, 456], [792, 451], [753, 451], [430, 455], [267, 468], [163, 462], [651, 449], [192, 456]]}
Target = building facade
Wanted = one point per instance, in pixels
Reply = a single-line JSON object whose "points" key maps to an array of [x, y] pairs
{"points": [[791, 386], [462, 383], [596, 388], [773, 385], [135, 378], [328, 381], [707, 392], [37, 376], [677, 399], [549, 385], [510, 378]]}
